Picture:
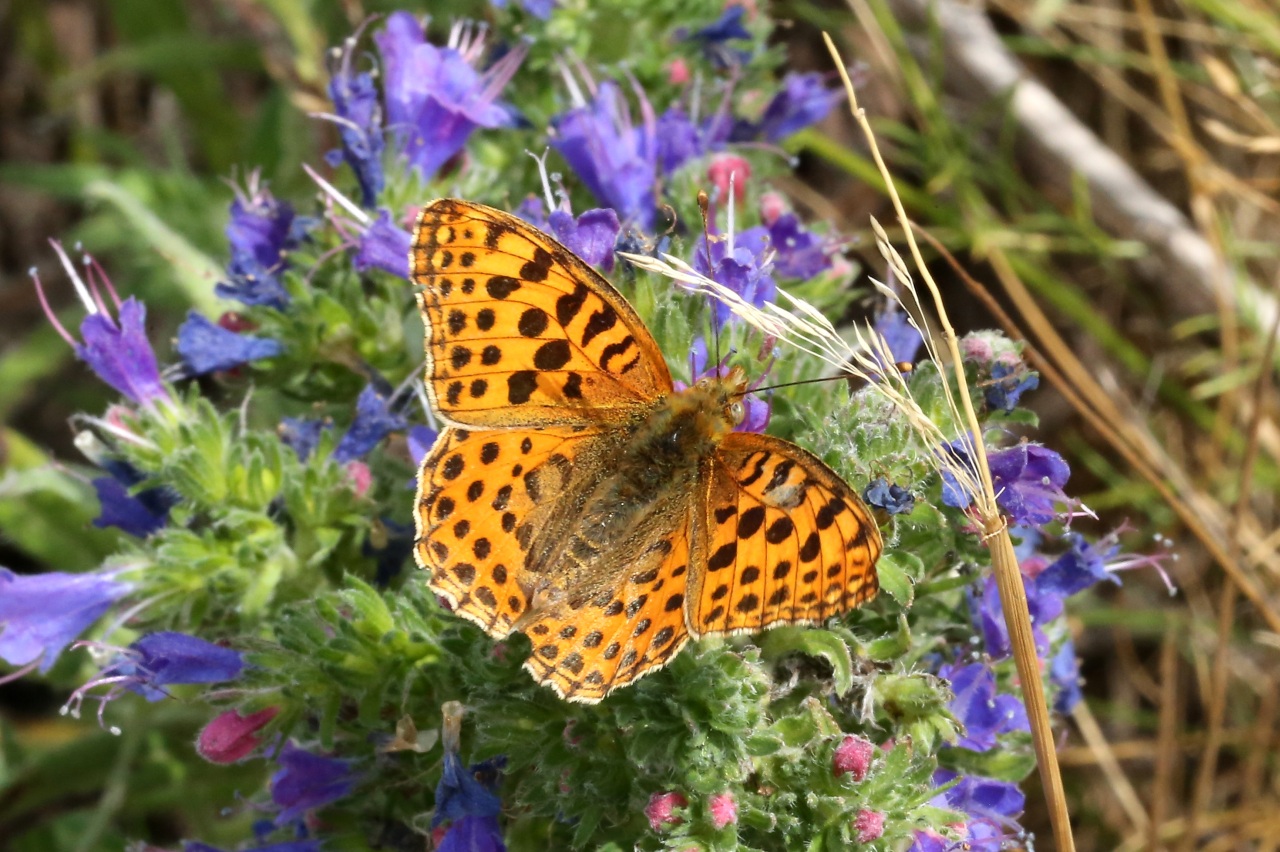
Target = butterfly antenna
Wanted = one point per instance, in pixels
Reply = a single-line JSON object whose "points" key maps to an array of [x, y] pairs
{"points": [[901, 366], [704, 205]]}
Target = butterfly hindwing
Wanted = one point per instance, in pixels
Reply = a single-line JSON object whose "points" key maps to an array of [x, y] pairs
{"points": [[484, 495], [520, 332], [587, 647], [787, 540]]}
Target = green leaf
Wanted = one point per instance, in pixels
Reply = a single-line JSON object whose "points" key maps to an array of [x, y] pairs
{"points": [[815, 643], [897, 572]]}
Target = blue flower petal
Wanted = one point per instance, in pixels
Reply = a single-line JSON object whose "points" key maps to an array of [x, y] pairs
{"points": [[120, 353], [374, 421], [40, 614], [307, 781], [125, 511], [206, 347], [384, 245]]}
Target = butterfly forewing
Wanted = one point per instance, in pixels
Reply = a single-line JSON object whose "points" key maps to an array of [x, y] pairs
{"points": [[788, 541], [520, 332]]}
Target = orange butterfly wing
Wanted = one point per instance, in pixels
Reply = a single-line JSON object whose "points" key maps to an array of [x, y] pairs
{"points": [[788, 541], [587, 648], [546, 376], [482, 496], [520, 332]]}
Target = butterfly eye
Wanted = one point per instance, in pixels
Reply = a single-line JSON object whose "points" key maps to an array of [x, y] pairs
{"points": [[737, 411]]}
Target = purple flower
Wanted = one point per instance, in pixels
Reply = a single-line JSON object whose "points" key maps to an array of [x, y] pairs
{"points": [[1008, 383], [998, 802], [307, 781], [162, 659], [927, 840], [374, 420], [421, 439], [803, 101], [1064, 673], [261, 231], [740, 263], [302, 434], [466, 791], [984, 714], [894, 499], [359, 119], [473, 834], [713, 38], [801, 254], [121, 355], [435, 97], [615, 158], [1081, 566], [727, 28], [206, 347], [679, 139], [468, 798], [988, 617], [40, 614], [1028, 481], [138, 514], [903, 338], [384, 245], [118, 351], [590, 236]]}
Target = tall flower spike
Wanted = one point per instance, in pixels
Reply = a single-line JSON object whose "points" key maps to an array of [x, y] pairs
{"points": [[116, 349], [359, 118], [435, 97]]}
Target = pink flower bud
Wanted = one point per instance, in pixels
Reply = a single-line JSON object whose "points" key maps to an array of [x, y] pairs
{"points": [[724, 810], [360, 477], [772, 205], [231, 737], [869, 825], [678, 72], [660, 809], [974, 348], [853, 756], [724, 165]]}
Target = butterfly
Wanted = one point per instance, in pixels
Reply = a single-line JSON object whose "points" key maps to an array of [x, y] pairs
{"points": [[576, 496]]}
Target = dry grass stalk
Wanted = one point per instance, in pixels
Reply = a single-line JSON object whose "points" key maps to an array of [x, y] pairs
{"points": [[1013, 598]]}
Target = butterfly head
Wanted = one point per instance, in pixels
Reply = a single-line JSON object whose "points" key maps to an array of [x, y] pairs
{"points": [[724, 395]]}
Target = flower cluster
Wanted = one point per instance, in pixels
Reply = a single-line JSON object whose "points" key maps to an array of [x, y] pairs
{"points": [[260, 487]]}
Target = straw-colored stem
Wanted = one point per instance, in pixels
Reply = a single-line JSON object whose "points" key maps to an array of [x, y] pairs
{"points": [[1013, 596]]}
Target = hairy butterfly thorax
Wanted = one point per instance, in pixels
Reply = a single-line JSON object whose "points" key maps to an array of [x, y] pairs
{"points": [[577, 497]]}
